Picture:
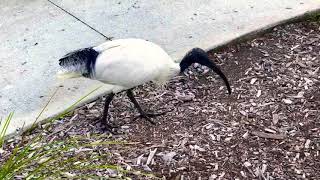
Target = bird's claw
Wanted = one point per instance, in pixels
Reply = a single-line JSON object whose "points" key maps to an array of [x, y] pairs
{"points": [[107, 126], [148, 116], [110, 128]]}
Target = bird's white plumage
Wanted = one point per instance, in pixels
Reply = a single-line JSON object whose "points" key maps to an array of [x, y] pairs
{"points": [[126, 63]]}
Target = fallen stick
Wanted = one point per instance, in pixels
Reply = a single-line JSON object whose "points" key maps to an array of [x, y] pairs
{"points": [[268, 135]]}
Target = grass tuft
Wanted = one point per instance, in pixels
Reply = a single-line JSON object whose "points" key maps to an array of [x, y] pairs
{"points": [[4, 127], [36, 158]]}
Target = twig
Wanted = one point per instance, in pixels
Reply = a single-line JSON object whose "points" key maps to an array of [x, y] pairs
{"points": [[268, 135]]}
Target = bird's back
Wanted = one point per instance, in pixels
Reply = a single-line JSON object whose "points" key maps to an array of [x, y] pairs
{"points": [[132, 62]]}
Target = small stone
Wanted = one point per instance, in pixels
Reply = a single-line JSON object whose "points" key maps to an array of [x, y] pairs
{"points": [[298, 171], [270, 130], [42, 160], [299, 95], [245, 135], [243, 113], [307, 144], [212, 137], [247, 164], [212, 177], [263, 168], [68, 175], [275, 118], [259, 93], [287, 101], [94, 111], [196, 147], [209, 126], [89, 106], [222, 175], [1, 151], [168, 156], [253, 80], [187, 98], [146, 168]]}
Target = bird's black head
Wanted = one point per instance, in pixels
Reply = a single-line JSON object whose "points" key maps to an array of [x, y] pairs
{"points": [[197, 55], [81, 61]]}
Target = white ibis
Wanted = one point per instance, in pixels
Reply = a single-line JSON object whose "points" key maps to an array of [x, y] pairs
{"points": [[127, 63]]}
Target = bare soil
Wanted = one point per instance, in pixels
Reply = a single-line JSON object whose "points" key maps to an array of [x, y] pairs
{"points": [[268, 128]]}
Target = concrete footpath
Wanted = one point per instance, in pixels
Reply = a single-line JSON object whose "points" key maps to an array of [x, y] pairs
{"points": [[35, 34]]}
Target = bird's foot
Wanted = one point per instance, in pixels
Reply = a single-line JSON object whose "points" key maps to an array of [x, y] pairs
{"points": [[148, 116], [109, 128]]}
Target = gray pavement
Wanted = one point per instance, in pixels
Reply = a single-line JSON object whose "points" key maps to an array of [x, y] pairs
{"points": [[34, 34]]}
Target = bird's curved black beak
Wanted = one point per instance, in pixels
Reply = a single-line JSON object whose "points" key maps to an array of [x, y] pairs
{"points": [[201, 57], [198, 55], [210, 64]]}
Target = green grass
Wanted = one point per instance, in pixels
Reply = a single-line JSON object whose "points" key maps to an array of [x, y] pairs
{"points": [[39, 159], [315, 17], [4, 127]]}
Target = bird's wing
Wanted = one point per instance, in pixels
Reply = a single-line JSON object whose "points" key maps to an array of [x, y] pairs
{"points": [[131, 63], [120, 42]]}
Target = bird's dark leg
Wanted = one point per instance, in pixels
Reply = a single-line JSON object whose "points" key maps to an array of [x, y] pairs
{"points": [[104, 120], [143, 114]]}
